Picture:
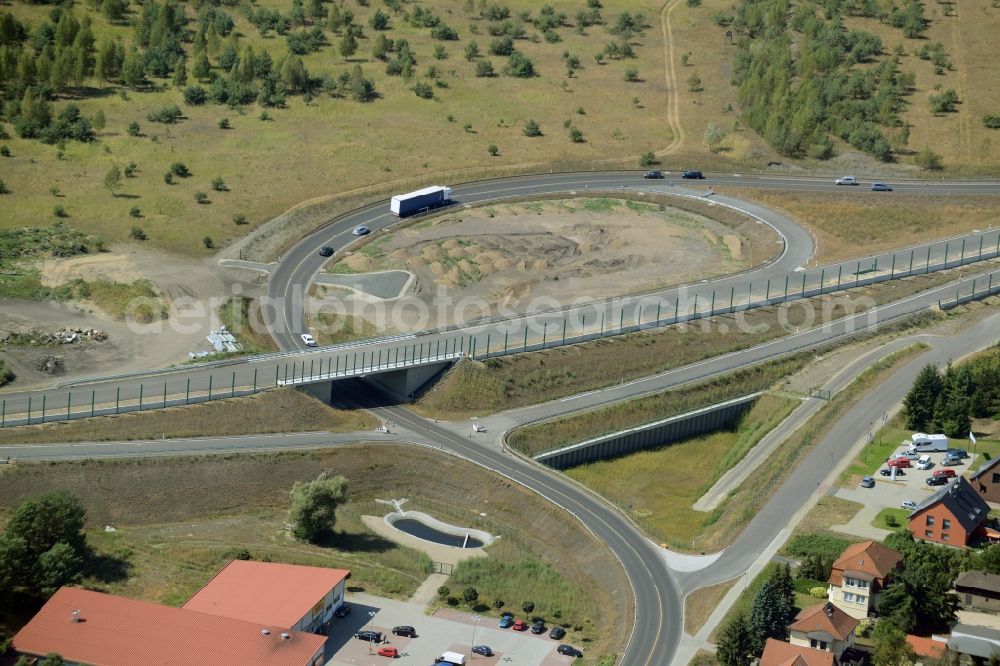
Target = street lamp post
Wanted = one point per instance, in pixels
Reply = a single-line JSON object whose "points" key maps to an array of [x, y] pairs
{"points": [[475, 621], [371, 624]]}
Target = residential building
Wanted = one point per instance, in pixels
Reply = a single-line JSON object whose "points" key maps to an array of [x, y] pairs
{"points": [[986, 481], [978, 590], [823, 627], [927, 649], [780, 653], [859, 575], [87, 627], [978, 642], [951, 515], [287, 596]]}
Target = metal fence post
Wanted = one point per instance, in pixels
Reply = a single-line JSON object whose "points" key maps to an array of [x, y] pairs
{"points": [[69, 400], [141, 386], [695, 316], [187, 391], [44, 396], [840, 274], [564, 338], [93, 399], [3, 414], [910, 269], [488, 336], [677, 308], [711, 310], [786, 288], [525, 345], [927, 266], [892, 270], [947, 246], [255, 380], [210, 383], [857, 274], [164, 393], [981, 239], [803, 293], [658, 304], [732, 295], [767, 292], [118, 395], [961, 259], [506, 335], [621, 320], [232, 387], [545, 333], [29, 410]]}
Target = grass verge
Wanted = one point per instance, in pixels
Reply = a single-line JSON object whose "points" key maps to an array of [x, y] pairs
{"points": [[242, 317], [698, 605], [277, 410], [891, 519]]}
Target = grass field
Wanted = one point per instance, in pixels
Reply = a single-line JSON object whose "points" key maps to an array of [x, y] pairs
{"points": [[698, 605], [278, 410], [848, 225], [891, 519], [179, 519], [329, 146], [657, 488]]}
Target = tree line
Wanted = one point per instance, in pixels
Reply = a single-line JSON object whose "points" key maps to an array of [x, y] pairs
{"points": [[947, 401], [798, 81]]}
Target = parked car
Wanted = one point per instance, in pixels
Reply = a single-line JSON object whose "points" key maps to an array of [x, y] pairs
{"points": [[506, 621], [693, 175], [538, 627], [370, 636], [653, 174], [888, 471], [343, 611], [360, 230], [868, 482], [948, 473], [899, 462], [951, 461], [847, 180], [308, 340], [936, 480], [557, 633], [405, 630], [908, 505], [881, 187], [958, 453], [520, 625], [569, 651], [909, 455], [483, 650], [388, 652], [924, 462], [326, 251]]}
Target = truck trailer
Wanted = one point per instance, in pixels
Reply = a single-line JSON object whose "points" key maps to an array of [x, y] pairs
{"points": [[425, 199], [922, 443]]}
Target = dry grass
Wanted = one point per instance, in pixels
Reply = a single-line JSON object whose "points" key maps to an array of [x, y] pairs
{"points": [[828, 511], [175, 513], [698, 605], [704, 658], [336, 145], [847, 226], [240, 314], [277, 410]]}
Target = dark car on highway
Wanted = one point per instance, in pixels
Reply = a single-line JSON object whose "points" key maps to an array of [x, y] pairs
{"points": [[370, 636], [326, 251], [557, 633], [405, 630], [695, 175], [569, 651], [653, 174]]}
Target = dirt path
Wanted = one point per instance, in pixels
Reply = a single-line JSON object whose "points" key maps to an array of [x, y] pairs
{"points": [[673, 113]]}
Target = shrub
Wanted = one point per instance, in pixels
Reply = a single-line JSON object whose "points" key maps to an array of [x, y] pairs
{"points": [[133, 128], [502, 46], [3, 188], [631, 75], [4, 151], [528, 606], [928, 159], [443, 591], [224, 123], [201, 197], [138, 234], [498, 603], [575, 135], [818, 592], [452, 601], [814, 543], [470, 595], [648, 158], [890, 521], [493, 150], [130, 169], [423, 90], [218, 184], [484, 69], [991, 121], [945, 102], [519, 65], [167, 114], [178, 169], [240, 219], [59, 211], [135, 212], [168, 178], [531, 128], [195, 96], [208, 243]]}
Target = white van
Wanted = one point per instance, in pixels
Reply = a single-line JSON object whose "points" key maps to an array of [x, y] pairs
{"points": [[455, 658], [924, 462], [924, 443]]}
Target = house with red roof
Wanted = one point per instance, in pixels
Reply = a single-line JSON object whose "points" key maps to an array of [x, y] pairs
{"points": [[87, 627], [249, 614], [951, 515], [823, 627], [780, 653], [859, 575]]}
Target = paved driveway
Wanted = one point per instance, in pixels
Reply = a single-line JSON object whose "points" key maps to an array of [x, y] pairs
{"points": [[446, 630]]}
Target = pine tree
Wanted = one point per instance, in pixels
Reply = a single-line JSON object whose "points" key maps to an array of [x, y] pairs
{"points": [[920, 401], [347, 46], [333, 19], [953, 408], [180, 74], [772, 609], [736, 645], [133, 73], [201, 68]]}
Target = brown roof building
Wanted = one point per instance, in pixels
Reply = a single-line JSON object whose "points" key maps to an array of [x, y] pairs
{"points": [[780, 653], [978, 590], [951, 515], [100, 629], [859, 575], [986, 481], [288, 596], [823, 627]]}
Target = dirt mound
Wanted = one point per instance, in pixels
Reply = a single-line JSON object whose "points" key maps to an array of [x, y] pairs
{"points": [[50, 365]]}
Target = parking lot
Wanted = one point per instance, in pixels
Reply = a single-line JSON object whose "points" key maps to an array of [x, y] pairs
{"points": [[911, 485], [446, 630]]}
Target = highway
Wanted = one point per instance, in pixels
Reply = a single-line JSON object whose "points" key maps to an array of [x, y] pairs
{"points": [[658, 595]]}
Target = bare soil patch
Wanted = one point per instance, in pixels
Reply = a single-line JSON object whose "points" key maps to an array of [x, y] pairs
{"points": [[518, 257]]}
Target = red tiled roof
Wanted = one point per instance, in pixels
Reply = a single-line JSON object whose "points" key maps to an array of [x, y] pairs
{"points": [[116, 631], [827, 618], [926, 647], [869, 557], [273, 594], [780, 653]]}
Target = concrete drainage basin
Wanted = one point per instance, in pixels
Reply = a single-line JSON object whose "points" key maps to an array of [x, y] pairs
{"points": [[428, 528]]}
